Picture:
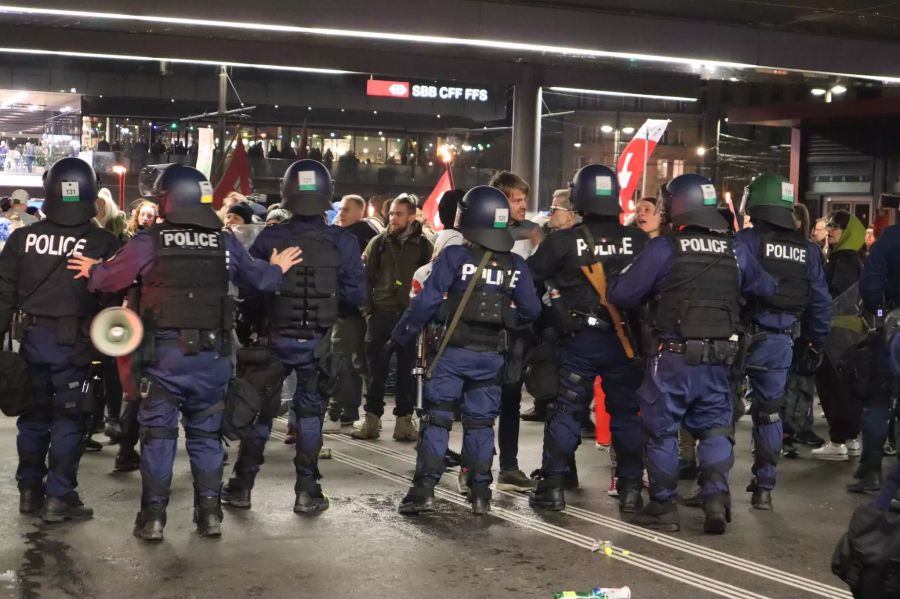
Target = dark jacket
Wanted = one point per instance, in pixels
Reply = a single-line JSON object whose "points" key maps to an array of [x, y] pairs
{"points": [[390, 263], [844, 264]]}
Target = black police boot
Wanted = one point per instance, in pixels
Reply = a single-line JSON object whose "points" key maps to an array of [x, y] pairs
{"points": [[687, 469], [127, 460], [113, 430], [236, 493], [31, 499], [150, 522], [869, 482], [761, 498], [419, 499], [548, 494], [658, 515], [695, 499], [208, 516], [480, 498], [68, 507], [630, 499], [718, 511], [309, 498]]}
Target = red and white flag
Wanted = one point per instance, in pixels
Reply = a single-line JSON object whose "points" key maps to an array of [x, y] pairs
{"points": [[633, 159], [236, 177], [430, 207]]}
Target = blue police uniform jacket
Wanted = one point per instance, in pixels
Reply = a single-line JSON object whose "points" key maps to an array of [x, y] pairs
{"points": [[643, 277], [817, 317], [450, 273], [879, 284]]}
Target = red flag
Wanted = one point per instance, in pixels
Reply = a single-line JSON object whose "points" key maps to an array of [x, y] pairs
{"points": [[236, 177], [633, 158], [430, 207]]}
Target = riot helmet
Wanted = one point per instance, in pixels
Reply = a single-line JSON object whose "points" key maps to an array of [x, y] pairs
{"points": [[595, 190], [70, 192], [770, 198], [692, 200], [307, 188], [483, 218], [186, 197]]}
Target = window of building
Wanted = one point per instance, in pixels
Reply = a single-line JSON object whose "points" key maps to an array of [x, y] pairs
{"points": [[677, 168], [662, 169]]}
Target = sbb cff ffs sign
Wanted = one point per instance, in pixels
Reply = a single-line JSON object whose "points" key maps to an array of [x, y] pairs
{"points": [[402, 89]]}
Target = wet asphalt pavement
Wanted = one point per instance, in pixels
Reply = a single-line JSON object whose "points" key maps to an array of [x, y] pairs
{"points": [[361, 547]]}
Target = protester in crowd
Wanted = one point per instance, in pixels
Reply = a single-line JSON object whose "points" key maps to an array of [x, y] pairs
{"points": [[846, 235], [391, 258], [819, 234], [19, 204], [562, 216], [238, 214], [143, 215], [526, 235], [110, 217]]}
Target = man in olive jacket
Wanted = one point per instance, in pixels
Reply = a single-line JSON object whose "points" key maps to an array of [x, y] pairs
{"points": [[391, 259]]}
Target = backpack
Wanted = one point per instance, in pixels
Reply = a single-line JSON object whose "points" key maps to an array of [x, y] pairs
{"points": [[867, 557]]}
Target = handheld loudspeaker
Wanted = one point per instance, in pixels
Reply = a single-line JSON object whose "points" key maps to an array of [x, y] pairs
{"points": [[116, 331]]}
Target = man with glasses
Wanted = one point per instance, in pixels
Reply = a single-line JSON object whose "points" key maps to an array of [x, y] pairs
{"points": [[561, 214]]}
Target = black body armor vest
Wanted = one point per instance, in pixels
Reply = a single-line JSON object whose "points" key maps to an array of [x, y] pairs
{"points": [[307, 303], [187, 286], [700, 298], [489, 310], [785, 256]]}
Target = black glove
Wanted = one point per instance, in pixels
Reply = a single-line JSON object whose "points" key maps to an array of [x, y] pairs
{"points": [[809, 358]]}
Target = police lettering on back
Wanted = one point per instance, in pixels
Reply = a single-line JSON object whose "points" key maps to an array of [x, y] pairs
{"points": [[187, 239], [602, 247], [783, 251], [54, 245], [703, 245], [492, 276]]}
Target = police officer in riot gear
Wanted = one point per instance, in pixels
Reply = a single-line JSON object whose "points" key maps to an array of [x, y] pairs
{"points": [[183, 266], [489, 291], [879, 289], [802, 305], [589, 344], [295, 324], [54, 312], [693, 280]]}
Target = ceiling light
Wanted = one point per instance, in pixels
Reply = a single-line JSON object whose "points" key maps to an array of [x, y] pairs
{"points": [[817, 91], [66, 108], [838, 89], [606, 128], [600, 92], [374, 112], [577, 144], [627, 130]]}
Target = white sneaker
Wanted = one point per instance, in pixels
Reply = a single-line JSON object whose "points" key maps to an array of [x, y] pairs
{"points": [[854, 448], [331, 426], [835, 452]]}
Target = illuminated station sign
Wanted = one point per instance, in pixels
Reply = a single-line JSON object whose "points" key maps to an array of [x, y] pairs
{"points": [[404, 89]]}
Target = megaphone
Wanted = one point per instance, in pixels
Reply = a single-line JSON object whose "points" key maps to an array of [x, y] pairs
{"points": [[116, 331]]}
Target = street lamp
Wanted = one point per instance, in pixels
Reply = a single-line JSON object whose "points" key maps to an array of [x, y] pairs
{"points": [[120, 170]]}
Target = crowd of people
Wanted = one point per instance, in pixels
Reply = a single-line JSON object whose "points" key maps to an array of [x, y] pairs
{"points": [[685, 312]]}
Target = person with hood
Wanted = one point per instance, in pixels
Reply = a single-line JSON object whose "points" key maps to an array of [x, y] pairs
{"points": [[391, 258], [846, 235], [109, 216]]}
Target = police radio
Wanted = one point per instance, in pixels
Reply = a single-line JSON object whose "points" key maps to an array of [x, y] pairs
{"points": [[117, 331]]}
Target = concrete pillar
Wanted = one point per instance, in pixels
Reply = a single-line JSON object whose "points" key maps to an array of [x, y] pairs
{"points": [[526, 135]]}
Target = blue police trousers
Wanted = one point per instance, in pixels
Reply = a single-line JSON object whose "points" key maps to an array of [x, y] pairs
{"points": [[767, 370]]}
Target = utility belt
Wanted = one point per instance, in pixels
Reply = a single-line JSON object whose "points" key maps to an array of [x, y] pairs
{"points": [[760, 332], [700, 351], [480, 339], [68, 328], [303, 333]]}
